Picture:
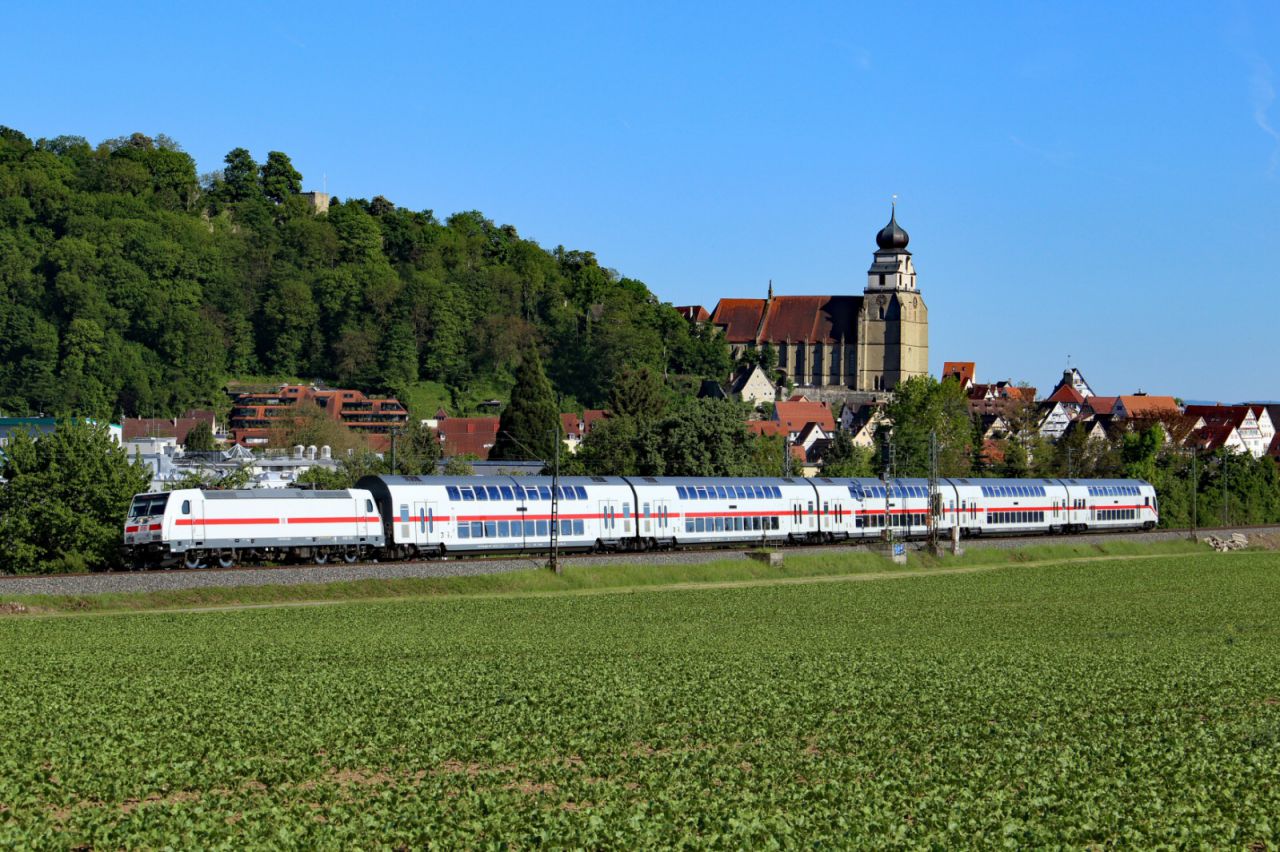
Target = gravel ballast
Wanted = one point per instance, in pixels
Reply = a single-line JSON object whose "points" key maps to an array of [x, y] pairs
{"points": [[159, 581]]}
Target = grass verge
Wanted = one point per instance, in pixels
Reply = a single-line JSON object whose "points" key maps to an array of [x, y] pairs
{"points": [[576, 578]]}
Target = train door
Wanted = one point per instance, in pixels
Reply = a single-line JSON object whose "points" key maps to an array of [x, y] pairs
{"points": [[608, 519], [646, 519], [191, 515], [420, 523], [364, 509]]}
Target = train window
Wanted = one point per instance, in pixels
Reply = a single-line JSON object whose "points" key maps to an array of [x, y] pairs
{"points": [[404, 513], [543, 529], [683, 495], [186, 507], [495, 493], [626, 510], [481, 494], [719, 524], [507, 493], [720, 492], [528, 528], [464, 531], [477, 529], [578, 527], [503, 529], [702, 493], [579, 492], [544, 491], [368, 505], [452, 491], [645, 509], [810, 507], [699, 524]]}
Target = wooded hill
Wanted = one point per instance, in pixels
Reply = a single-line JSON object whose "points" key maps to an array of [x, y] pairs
{"points": [[129, 285]]}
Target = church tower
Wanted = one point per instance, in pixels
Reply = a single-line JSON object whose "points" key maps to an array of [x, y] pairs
{"points": [[893, 322]]}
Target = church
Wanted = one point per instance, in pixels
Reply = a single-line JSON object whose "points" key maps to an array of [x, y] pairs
{"points": [[868, 343]]}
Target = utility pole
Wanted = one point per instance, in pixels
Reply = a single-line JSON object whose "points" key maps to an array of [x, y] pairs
{"points": [[393, 451], [1226, 514], [1195, 488], [935, 494], [554, 564]]}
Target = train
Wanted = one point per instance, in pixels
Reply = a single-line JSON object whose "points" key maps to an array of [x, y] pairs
{"points": [[414, 517]]}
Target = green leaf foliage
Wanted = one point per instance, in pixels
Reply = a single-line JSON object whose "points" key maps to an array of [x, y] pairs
{"points": [[131, 286], [530, 425], [65, 503]]}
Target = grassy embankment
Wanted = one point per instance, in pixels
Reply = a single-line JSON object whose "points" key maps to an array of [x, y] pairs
{"points": [[581, 579]]}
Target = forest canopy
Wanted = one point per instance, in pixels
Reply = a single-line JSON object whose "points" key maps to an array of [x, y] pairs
{"points": [[130, 285]]}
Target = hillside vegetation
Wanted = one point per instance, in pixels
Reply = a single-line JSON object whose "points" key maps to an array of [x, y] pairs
{"points": [[130, 285]]}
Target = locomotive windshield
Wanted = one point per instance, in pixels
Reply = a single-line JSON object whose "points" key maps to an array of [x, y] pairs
{"points": [[148, 505]]}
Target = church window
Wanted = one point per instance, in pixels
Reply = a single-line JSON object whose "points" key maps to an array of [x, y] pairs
{"points": [[882, 309], [881, 279]]}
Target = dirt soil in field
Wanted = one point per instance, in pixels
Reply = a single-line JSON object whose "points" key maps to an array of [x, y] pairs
{"points": [[1265, 541]]}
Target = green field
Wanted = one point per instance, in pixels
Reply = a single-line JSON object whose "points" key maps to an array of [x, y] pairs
{"points": [[1126, 703]]}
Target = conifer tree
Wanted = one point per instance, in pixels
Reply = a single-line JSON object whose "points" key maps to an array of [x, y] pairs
{"points": [[530, 425]]}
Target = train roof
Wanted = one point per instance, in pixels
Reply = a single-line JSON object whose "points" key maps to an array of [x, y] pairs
{"points": [[411, 480]]}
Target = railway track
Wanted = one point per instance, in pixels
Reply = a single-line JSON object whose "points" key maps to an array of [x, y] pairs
{"points": [[159, 580]]}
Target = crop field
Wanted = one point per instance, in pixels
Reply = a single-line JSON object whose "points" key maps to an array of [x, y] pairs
{"points": [[1124, 703]]}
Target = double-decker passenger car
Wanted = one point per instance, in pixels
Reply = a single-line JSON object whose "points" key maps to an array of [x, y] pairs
{"points": [[432, 515]]}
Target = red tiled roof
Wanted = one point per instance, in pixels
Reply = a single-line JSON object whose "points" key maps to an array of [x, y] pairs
{"points": [[771, 428], [811, 319], [1274, 449], [788, 319], [797, 414], [1024, 394], [1102, 404], [1149, 406], [569, 424], [739, 317], [1068, 394], [1233, 414], [962, 370], [694, 313], [468, 435], [134, 428], [591, 417], [1214, 435]]}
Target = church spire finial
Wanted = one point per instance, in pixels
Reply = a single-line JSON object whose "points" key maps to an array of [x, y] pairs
{"points": [[771, 289]]}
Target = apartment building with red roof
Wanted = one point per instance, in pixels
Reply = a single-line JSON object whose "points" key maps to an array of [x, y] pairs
{"points": [[255, 415]]}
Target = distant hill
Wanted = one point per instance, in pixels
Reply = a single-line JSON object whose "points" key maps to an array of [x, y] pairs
{"points": [[129, 286]]}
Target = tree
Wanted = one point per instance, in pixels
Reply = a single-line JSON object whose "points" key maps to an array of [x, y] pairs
{"points": [[417, 449], [66, 500], [459, 466], [920, 406], [844, 459], [311, 426], [240, 176], [200, 439], [530, 424], [280, 180], [638, 393]]}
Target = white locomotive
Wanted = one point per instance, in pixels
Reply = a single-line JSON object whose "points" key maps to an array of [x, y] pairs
{"points": [[401, 517]]}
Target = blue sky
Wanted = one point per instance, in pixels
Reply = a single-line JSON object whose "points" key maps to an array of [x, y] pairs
{"points": [[1097, 180]]}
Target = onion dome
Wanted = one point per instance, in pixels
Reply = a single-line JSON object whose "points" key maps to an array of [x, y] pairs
{"points": [[891, 236]]}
